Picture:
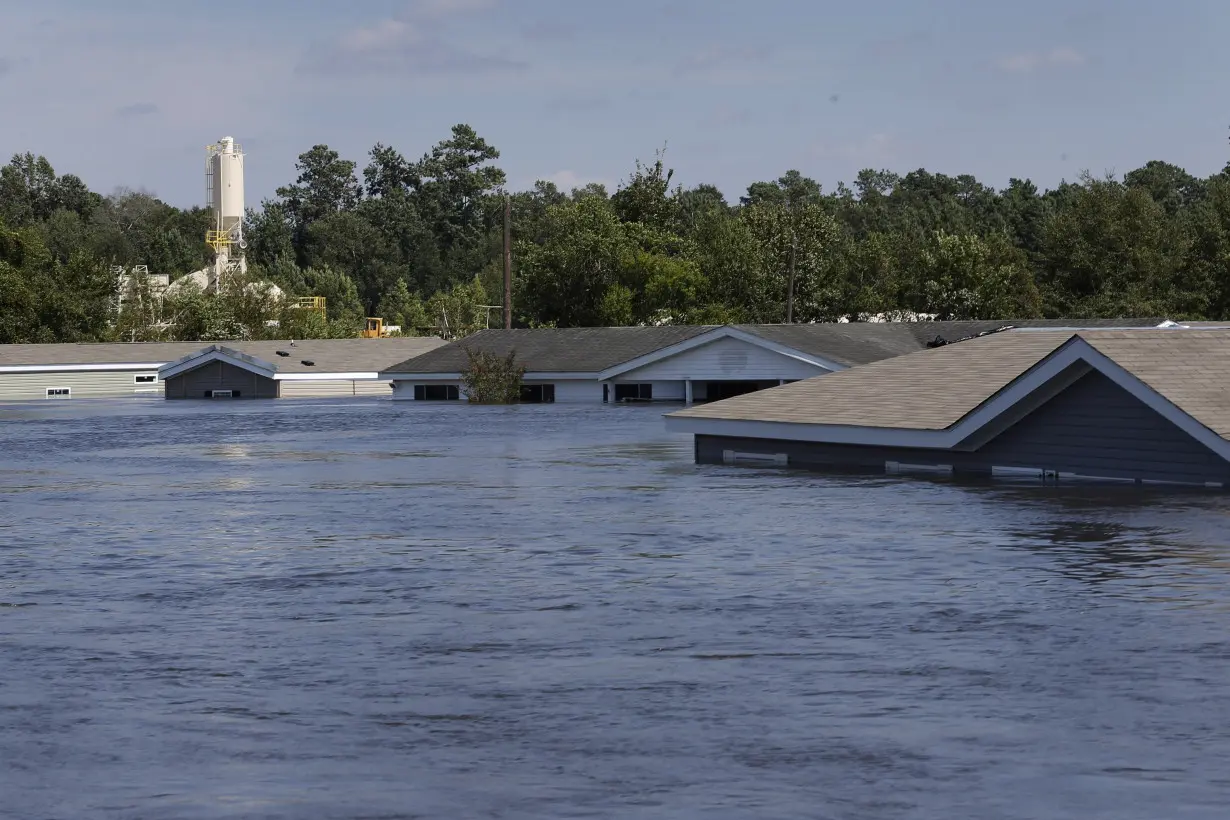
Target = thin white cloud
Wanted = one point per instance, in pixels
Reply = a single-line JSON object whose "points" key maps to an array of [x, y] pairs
{"points": [[439, 9], [400, 46], [1030, 61]]}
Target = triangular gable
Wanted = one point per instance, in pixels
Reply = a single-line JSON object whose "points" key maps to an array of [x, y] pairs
{"points": [[1094, 426], [723, 332], [217, 353], [1051, 375]]}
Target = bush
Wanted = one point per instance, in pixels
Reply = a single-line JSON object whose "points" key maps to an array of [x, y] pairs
{"points": [[492, 379]]}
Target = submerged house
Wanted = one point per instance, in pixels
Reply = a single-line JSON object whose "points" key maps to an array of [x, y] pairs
{"points": [[270, 370], [689, 363], [87, 370], [1146, 405], [339, 367]]}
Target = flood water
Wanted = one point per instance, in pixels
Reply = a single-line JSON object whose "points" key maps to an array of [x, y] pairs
{"points": [[353, 609]]}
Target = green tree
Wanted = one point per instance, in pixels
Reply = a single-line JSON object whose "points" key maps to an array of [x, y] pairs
{"points": [[645, 196], [400, 306], [326, 185]]}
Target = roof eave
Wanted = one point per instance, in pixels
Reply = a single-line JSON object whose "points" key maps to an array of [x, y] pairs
{"points": [[968, 430]]}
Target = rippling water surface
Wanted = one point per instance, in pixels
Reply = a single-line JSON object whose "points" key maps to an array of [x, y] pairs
{"points": [[340, 610]]}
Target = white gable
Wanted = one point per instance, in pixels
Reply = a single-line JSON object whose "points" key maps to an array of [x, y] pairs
{"points": [[724, 359]]}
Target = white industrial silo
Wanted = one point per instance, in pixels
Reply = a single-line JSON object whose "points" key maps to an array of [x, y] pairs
{"points": [[227, 162], [224, 193]]}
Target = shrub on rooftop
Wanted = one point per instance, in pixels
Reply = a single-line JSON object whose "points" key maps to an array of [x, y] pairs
{"points": [[492, 379]]}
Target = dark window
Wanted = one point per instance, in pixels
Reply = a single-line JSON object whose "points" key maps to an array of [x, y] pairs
{"points": [[716, 391], [633, 392], [537, 393], [59, 391], [145, 379], [436, 392]]}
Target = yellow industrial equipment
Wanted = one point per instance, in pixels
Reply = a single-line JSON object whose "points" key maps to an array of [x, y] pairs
{"points": [[374, 328], [310, 303]]}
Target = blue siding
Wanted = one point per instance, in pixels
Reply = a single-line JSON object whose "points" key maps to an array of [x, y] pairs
{"points": [[1093, 428]]}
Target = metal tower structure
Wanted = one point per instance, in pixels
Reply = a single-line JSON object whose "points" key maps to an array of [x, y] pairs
{"points": [[224, 194]]}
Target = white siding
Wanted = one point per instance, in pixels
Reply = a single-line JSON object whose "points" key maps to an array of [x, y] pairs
{"points": [[403, 389], [567, 391], [573, 391], [724, 359], [333, 388], [88, 384], [662, 391]]}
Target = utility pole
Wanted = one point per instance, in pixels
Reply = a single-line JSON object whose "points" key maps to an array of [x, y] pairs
{"points": [[507, 263], [790, 292]]}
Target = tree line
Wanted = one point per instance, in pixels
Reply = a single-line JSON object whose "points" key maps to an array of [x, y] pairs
{"points": [[419, 242]]}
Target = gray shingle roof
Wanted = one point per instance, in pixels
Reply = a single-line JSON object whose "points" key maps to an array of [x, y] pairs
{"points": [[336, 355], [934, 389], [865, 342], [332, 355], [594, 349], [555, 350]]}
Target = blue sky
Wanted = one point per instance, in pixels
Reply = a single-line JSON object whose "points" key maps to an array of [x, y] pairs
{"points": [[130, 91]]}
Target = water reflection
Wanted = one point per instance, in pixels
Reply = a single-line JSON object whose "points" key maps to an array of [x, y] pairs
{"points": [[366, 604]]}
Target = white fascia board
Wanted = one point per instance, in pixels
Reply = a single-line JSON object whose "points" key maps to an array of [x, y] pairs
{"points": [[1072, 352], [419, 377], [547, 376], [293, 377], [78, 368], [532, 375], [724, 332], [249, 363], [796, 431]]}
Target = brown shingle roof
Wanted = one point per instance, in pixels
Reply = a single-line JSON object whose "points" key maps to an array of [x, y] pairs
{"points": [[1190, 368], [928, 390], [934, 389]]}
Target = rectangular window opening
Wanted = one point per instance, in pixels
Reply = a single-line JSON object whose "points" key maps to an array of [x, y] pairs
{"points": [[145, 379], [59, 392], [633, 392], [716, 391], [537, 393], [221, 394], [437, 392]]}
